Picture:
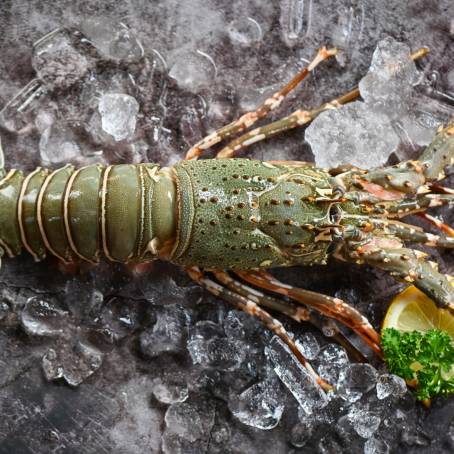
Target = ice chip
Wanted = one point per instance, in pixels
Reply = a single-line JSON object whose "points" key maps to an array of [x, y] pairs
{"points": [[352, 134], [347, 31], [295, 377], [57, 62], [41, 317], [331, 360], [234, 325], [191, 420], [329, 445], [168, 334], [302, 432], [356, 380], [244, 31], [376, 446], [209, 348], [258, 406], [219, 353], [72, 363], [193, 71], [58, 145], [4, 310], [388, 85], [113, 40], [295, 20], [170, 389], [364, 422], [390, 385], [118, 115], [17, 114], [308, 345], [44, 120], [121, 316]]}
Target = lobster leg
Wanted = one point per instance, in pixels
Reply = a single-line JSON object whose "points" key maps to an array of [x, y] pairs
{"points": [[249, 118], [2, 161], [251, 308], [297, 313], [404, 264], [404, 231], [415, 235], [438, 224], [405, 207], [408, 177], [327, 305], [298, 118]]}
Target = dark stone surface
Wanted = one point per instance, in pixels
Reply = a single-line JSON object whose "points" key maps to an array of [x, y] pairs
{"points": [[104, 320]]}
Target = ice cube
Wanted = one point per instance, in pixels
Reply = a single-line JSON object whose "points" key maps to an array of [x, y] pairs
{"points": [[170, 389], [58, 145], [193, 71], [388, 85], [331, 360], [356, 380], [168, 334], [43, 317], [308, 345], [121, 316], [390, 385], [376, 446], [364, 422], [18, 113], [113, 40], [191, 420], [347, 31], [208, 348], [302, 432], [295, 377], [352, 134], [72, 363], [244, 31], [295, 20], [118, 115], [258, 406], [57, 62]]}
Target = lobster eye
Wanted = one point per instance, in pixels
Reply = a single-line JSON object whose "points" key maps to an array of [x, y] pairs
{"points": [[335, 214]]}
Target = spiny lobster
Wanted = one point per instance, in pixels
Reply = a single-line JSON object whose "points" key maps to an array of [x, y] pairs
{"points": [[240, 217]]}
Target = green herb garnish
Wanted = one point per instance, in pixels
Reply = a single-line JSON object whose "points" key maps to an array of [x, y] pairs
{"points": [[424, 359]]}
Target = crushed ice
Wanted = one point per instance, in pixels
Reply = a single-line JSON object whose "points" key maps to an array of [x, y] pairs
{"points": [[228, 355], [118, 115], [365, 133]]}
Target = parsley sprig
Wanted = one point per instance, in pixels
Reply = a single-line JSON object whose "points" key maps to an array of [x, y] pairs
{"points": [[424, 359]]}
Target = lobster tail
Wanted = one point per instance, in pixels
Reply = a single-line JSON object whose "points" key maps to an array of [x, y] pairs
{"points": [[79, 214]]}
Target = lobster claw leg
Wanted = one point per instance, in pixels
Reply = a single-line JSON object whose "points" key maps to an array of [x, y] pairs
{"points": [[408, 177], [2, 160], [404, 264], [252, 308]]}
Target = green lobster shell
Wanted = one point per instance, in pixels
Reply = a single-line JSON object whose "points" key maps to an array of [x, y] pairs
{"points": [[234, 213]]}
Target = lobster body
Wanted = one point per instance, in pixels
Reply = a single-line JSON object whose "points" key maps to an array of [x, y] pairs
{"points": [[234, 213], [240, 213]]}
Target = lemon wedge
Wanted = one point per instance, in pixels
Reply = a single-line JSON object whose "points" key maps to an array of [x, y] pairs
{"points": [[412, 310]]}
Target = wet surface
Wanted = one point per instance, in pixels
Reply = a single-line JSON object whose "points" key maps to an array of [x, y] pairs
{"points": [[109, 360]]}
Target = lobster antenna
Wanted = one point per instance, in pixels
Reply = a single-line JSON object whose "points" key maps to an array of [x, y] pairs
{"points": [[2, 159]]}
